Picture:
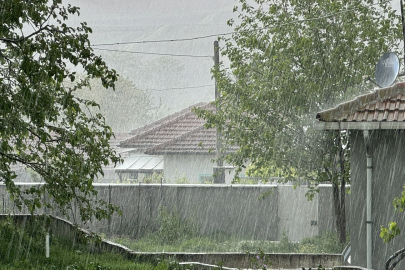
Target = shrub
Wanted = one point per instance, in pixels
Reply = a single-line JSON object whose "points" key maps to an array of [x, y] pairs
{"points": [[155, 178], [172, 228], [326, 242]]}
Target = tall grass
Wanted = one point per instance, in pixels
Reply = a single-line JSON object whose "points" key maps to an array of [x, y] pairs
{"points": [[22, 246], [175, 234]]}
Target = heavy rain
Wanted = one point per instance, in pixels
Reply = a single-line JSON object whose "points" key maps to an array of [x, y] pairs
{"points": [[180, 134]]}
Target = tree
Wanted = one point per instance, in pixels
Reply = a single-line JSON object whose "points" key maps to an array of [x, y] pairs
{"points": [[43, 124], [289, 60], [124, 109]]}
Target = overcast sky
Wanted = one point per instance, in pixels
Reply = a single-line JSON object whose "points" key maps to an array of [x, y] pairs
{"points": [[137, 20], [117, 21]]}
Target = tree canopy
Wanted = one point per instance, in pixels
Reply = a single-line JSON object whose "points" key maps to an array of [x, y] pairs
{"points": [[124, 109], [43, 123], [289, 60]]}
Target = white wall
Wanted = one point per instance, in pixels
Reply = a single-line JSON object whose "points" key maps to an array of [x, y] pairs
{"points": [[191, 166], [298, 216]]}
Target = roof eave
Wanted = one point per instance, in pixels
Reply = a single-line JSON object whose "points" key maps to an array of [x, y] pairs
{"points": [[350, 107], [321, 125]]}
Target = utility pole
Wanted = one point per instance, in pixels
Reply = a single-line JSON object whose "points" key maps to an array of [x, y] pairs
{"points": [[219, 172], [403, 28]]}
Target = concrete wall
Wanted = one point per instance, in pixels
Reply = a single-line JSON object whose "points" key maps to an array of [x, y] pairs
{"points": [[388, 153], [234, 209], [298, 216]]}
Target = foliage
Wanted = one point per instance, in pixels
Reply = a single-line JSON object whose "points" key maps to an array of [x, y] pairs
{"points": [[21, 242], [22, 247], [181, 179], [387, 234], [45, 125], [259, 261], [172, 228], [288, 61], [225, 242], [154, 178], [318, 244], [131, 106]]}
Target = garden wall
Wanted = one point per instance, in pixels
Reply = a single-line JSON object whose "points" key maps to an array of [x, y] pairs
{"points": [[235, 209]]}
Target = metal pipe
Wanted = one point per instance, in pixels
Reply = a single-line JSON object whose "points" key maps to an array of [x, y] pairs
{"points": [[403, 27], [47, 245], [369, 198]]}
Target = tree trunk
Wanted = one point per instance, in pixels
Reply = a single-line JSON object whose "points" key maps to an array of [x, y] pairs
{"points": [[339, 211], [339, 195]]}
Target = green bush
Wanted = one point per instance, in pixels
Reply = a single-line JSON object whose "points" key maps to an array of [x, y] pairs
{"points": [[286, 245], [155, 178], [323, 243], [172, 228]]}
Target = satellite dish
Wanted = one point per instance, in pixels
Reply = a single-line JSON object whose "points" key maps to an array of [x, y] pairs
{"points": [[387, 69]]}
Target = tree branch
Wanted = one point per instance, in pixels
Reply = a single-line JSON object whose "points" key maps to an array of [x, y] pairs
{"points": [[16, 41]]}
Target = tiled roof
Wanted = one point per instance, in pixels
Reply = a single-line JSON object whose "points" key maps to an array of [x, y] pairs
{"points": [[180, 133], [383, 105], [166, 119], [197, 141], [392, 109]]}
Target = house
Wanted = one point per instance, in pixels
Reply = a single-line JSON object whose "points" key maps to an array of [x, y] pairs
{"points": [[186, 149], [376, 126], [110, 175]]}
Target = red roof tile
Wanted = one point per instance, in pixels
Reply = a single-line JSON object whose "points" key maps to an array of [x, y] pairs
{"points": [[180, 133], [166, 119], [383, 105], [196, 141]]}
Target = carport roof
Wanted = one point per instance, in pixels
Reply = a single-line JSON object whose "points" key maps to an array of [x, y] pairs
{"points": [[141, 164], [381, 109]]}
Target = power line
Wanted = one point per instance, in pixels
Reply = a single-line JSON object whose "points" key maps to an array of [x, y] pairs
{"points": [[155, 53], [165, 40], [227, 33], [178, 88]]}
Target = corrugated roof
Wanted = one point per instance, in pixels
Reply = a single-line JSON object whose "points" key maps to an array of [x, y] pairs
{"points": [[383, 105], [141, 164]]}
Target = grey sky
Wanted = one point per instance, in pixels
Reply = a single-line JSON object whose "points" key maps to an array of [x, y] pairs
{"points": [[136, 20], [128, 20]]}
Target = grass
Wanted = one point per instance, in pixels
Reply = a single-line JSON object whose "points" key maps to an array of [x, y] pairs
{"points": [[182, 235], [22, 246], [325, 243]]}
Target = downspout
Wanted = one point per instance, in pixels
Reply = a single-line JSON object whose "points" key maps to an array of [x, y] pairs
{"points": [[368, 199]]}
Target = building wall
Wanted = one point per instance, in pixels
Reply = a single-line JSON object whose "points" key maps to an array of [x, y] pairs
{"points": [[388, 153], [191, 166], [235, 209]]}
